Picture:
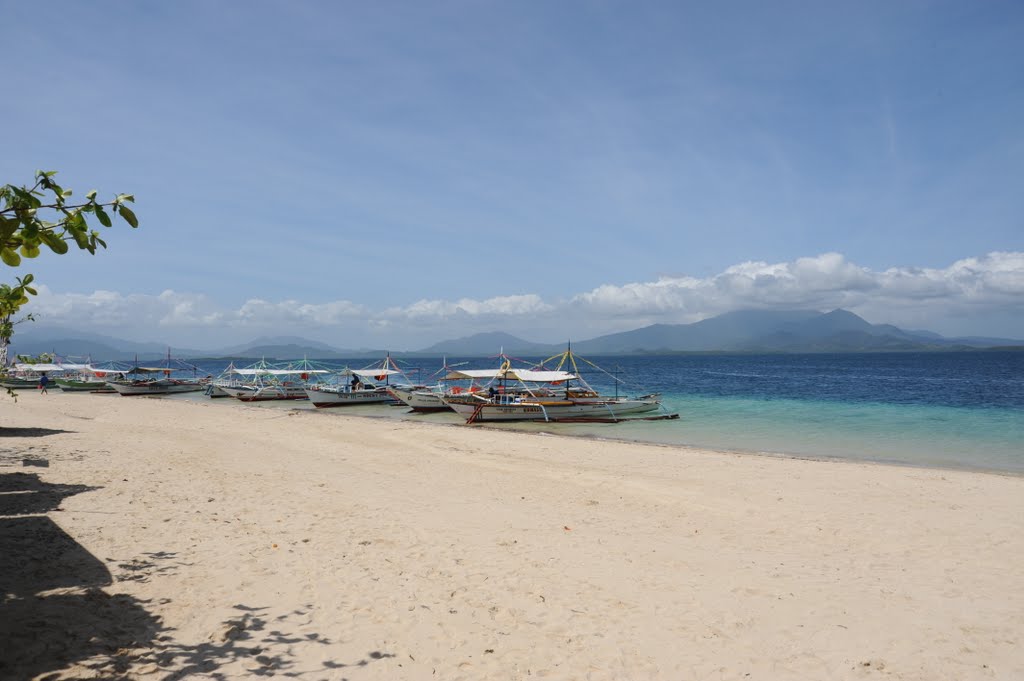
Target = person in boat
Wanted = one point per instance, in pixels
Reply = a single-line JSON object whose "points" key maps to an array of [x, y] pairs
{"points": [[44, 381], [356, 385]]}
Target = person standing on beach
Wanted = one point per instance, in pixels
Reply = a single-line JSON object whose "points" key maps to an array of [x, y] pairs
{"points": [[44, 380]]}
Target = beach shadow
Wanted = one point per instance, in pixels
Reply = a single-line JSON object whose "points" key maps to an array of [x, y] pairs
{"points": [[30, 432], [25, 493], [40, 631], [58, 622], [261, 643], [42, 634]]}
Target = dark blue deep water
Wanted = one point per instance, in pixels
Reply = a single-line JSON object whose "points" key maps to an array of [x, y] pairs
{"points": [[958, 410]]}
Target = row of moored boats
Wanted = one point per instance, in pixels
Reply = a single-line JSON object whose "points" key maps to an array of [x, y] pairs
{"points": [[504, 393]]}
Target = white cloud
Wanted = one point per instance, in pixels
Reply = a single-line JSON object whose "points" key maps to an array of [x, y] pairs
{"points": [[825, 281], [499, 306], [991, 283]]}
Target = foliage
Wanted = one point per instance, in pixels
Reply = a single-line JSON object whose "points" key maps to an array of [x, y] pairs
{"points": [[41, 358], [23, 230], [42, 215], [11, 300]]}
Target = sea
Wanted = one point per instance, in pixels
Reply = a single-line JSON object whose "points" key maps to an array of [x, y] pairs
{"points": [[958, 410]]}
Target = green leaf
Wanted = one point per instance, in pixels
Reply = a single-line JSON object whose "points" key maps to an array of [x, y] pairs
{"points": [[30, 250], [129, 216], [31, 291], [10, 257], [56, 244], [121, 198], [7, 229], [91, 195], [81, 238], [102, 215]]}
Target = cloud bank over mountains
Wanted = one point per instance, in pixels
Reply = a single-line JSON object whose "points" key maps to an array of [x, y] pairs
{"points": [[979, 295]]}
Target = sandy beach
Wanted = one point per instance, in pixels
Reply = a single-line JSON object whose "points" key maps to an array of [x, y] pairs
{"points": [[170, 539]]}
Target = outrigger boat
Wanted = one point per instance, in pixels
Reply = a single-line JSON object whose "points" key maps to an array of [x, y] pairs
{"points": [[65, 375], [91, 379], [356, 386], [25, 375], [538, 394], [429, 399], [267, 382], [157, 380]]}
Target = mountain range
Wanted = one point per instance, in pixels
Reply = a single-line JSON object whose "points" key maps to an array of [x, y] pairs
{"points": [[741, 331]]}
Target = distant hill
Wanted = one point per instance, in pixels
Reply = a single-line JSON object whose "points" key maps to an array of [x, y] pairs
{"points": [[74, 343], [264, 343], [730, 331], [740, 331], [490, 343], [284, 351], [776, 331], [69, 343]]}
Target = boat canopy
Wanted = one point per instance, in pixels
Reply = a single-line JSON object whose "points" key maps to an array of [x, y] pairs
{"points": [[525, 375], [538, 376], [468, 374], [276, 372], [21, 366], [372, 372]]}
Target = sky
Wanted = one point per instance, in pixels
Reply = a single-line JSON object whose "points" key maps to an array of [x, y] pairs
{"points": [[393, 174]]}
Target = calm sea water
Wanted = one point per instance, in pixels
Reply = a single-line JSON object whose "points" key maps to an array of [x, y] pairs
{"points": [[958, 410]]}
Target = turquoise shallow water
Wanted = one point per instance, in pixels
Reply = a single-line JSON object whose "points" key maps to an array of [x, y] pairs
{"points": [[921, 435], [951, 410]]}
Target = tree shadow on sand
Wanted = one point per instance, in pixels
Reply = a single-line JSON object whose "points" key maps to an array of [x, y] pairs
{"points": [[41, 631], [30, 432], [58, 622]]}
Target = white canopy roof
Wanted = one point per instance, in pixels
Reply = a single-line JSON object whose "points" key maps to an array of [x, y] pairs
{"points": [[534, 376], [463, 374], [277, 372], [527, 375], [20, 366], [370, 372]]}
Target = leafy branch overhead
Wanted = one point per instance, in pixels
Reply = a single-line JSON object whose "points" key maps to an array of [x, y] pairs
{"points": [[24, 229]]}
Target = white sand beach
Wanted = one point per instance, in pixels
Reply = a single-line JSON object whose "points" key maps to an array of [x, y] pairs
{"points": [[170, 539]]}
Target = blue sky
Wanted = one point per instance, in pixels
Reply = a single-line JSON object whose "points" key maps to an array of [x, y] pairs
{"points": [[396, 173]]}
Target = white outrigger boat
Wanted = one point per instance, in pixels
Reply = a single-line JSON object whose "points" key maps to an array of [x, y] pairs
{"points": [[91, 379], [421, 400], [25, 375], [357, 386], [430, 399], [154, 386], [157, 380], [547, 395], [263, 382]]}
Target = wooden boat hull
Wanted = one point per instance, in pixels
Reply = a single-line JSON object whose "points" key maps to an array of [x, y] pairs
{"points": [[266, 393], [70, 385], [420, 400], [160, 387], [555, 410], [216, 391], [19, 383], [323, 398]]}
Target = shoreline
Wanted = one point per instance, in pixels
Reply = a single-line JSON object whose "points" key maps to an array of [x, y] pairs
{"points": [[497, 427], [187, 537]]}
